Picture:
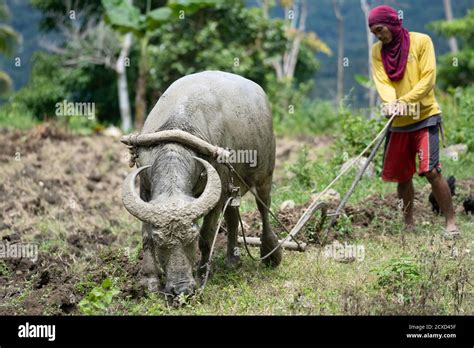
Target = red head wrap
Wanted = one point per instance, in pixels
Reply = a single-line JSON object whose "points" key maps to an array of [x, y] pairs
{"points": [[395, 53]]}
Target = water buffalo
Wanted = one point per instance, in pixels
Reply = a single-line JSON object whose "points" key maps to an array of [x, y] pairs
{"points": [[179, 185]]}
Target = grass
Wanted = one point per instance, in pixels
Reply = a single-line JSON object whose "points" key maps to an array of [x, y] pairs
{"points": [[309, 283], [401, 273], [16, 119]]}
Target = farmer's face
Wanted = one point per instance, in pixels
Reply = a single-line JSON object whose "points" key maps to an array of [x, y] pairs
{"points": [[382, 32]]}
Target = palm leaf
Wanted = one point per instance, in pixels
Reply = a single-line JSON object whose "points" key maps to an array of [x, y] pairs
{"points": [[9, 39], [4, 11], [6, 83]]}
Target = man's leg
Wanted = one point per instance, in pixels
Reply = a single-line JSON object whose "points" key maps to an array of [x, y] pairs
{"points": [[443, 197], [399, 166], [428, 154], [407, 193]]}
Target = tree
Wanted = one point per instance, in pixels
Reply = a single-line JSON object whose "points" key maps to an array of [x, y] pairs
{"points": [[234, 38], [296, 13], [456, 69], [370, 41], [126, 18], [229, 37], [284, 64], [448, 11], [340, 51], [9, 39], [89, 41]]}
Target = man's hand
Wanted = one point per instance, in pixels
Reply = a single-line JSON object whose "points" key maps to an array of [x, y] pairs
{"points": [[395, 108]]}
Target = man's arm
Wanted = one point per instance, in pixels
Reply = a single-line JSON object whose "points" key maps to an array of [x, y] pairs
{"points": [[382, 82], [428, 73], [384, 85]]}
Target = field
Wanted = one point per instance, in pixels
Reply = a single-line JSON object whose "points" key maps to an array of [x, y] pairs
{"points": [[61, 192]]}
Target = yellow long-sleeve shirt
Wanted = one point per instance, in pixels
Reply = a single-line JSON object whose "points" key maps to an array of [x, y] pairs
{"points": [[417, 84]]}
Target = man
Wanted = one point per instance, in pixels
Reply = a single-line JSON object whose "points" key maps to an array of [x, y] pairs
{"points": [[404, 71]]}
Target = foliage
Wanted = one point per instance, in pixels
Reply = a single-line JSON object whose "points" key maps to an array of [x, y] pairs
{"points": [[9, 39], [6, 83], [357, 131], [229, 37], [344, 226], [122, 15], [51, 9], [46, 87], [364, 81], [15, 116], [4, 269], [82, 125], [125, 17], [50, 83], [302, 169], [397, 273], [286, 97], [461, 28], [457, 69], [99, 298], [457, 111], [307, 117], [399, 276], [224, 38]]}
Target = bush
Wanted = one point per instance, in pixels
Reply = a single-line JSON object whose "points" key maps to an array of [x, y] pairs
{"points": [[356, 133], [309, 117], [458, 106], [50, 82], [303, 169], [99, 298], [44, 90], [399, 277], [459, 75], [17, 117], [294, 113], [457, 69], [82, 125]]}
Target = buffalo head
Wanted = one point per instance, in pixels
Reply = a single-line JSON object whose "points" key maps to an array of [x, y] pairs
{"points": [[174, 232]]}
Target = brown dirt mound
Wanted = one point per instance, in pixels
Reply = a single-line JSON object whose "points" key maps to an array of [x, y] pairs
{"points": [[61, 190]]}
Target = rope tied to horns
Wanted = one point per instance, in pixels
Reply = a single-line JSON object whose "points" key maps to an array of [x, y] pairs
{"points": [[135, 140]]}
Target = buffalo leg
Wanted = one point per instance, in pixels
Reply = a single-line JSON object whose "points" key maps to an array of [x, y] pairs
{"points": [[269, 239], [232, 221]]}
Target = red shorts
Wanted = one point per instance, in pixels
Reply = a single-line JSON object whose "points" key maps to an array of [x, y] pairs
{"points": [[400, 153]]}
